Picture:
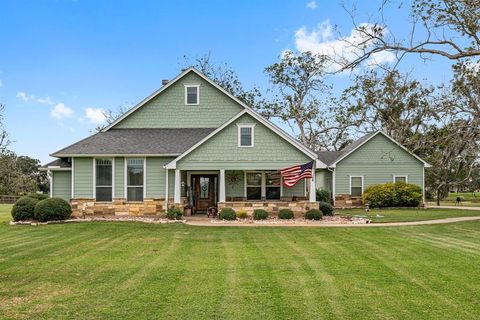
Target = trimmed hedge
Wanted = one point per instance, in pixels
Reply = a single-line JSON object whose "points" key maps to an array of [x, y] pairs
{"points": [[227, 214], [38, 196], [24, 209], [260, 214], [326, 208], [52, 209], [323, 195], [241, 214], [285, 214], [174, 213], [393, 195], [313, 214]]}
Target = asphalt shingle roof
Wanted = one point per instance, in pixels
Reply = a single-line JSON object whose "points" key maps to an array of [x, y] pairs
{"points": [[137, 141], [62, 163]]}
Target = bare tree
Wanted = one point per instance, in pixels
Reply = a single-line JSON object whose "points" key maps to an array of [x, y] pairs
{"points": [[447, 28], [4, 138], [111, 115]]}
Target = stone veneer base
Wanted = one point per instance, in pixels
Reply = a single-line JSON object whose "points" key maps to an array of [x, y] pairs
{"points": [[348, 201], [298, 207]]}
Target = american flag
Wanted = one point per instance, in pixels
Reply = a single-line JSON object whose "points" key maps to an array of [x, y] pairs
{"points": [[296, 173]]}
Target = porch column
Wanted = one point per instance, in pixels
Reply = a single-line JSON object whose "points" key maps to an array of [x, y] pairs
{"points": [[221, 186], [177, 186], [166, 188], [313, 189]]}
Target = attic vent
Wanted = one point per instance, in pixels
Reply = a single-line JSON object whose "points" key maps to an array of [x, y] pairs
{"points": [[164, 82]]}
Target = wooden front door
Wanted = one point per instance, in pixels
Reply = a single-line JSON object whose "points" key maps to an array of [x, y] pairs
{"points": [[204, 192]]}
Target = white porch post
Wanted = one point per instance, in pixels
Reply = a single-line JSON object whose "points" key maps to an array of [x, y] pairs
{"points": [[313, 188], [221, 196], [166, 188], [177, 186]]}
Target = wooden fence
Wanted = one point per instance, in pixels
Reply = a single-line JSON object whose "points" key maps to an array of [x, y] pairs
{"points": [[8, 199]]}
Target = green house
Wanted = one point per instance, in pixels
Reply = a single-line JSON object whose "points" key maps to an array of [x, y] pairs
{"points": [[192, 144]]}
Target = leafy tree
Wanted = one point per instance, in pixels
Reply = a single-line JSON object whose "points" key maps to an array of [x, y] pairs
{"points": [[4, 139], [12, 180]]}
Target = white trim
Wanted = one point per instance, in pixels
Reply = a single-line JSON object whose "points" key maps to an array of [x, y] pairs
{"points": [[368, 139], [125, 178], [221, 186], [280, 132], [423, 184], [252, 127], [263, 187], [144, 178], [333, 184], [176, 190], [198, 94], [400, 176], [313, 189], [94, 179], [50, 180], [73, 177], [166, 189], [350, 184], [54, 168], [113, 178]]}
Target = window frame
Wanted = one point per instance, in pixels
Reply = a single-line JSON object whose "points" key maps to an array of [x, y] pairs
{"points": [[363, 185], [273, 186], [263, 185], [95, 178], [186, 94], [400, 176], [246, 185], [252, 128], [144, 159]]}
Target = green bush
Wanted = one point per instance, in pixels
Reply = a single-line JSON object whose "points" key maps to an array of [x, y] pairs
{"points": [[38, 196], [393, 195], [227, 214], [174, 213], [285, 214], [313, 214], [24, 209], [260, 214], [52, 209], [323, 195], [241, 214], [326, 208]]}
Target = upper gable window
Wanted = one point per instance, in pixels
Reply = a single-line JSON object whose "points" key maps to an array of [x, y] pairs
{"points": [[245, 135], [192, 94]]}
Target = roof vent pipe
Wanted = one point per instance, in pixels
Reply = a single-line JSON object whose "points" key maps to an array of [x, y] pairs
{"points": [[164, 82]]}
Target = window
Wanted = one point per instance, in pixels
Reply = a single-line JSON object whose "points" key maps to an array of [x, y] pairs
{"points": [[356, 186], [245, 135], [400, 179], [135, 172], [103, 180], [254, 185], [192, 94], [272, 185]]}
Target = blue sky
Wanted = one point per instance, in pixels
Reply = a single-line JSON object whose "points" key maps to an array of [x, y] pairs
{"points": [[63, 61]]}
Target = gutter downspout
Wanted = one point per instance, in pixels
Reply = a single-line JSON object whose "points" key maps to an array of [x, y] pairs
{"points": [[333, 184]]}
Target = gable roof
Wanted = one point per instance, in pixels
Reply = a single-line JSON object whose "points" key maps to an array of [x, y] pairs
{"points": [[163, 88], [331, 158], [57, 165], [161, 142], [268, 124]]}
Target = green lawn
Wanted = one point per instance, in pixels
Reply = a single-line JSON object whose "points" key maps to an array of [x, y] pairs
{"points": [[139, 271], [399, 215]]}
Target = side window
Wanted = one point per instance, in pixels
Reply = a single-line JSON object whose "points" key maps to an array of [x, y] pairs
{"points": [[402, 179], [356, 186], [135, 179], [103, 180]]}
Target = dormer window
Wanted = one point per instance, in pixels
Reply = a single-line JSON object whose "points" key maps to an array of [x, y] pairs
{"points": [[192, 94]]}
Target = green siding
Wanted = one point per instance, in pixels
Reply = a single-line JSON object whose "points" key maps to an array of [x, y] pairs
{"points": [[237, 189], [378, 161], [323, 179], [168, 109], [270, 151], [62, 184], [119, 177], [156, 177], [83, 178], [297, 190]]}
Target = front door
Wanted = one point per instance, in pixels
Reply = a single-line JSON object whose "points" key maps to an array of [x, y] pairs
{"points": [[204, 192]]}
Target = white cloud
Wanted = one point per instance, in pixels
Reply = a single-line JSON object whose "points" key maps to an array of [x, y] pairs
{"points": [[312, 5], [46, 101], [95, 115], [24, 96], [320, 40], [61, 111]]}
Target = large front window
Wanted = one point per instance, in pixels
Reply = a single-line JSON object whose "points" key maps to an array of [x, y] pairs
{"points": [[272, 185], [135, 172], [254, 185], [103, 180]]}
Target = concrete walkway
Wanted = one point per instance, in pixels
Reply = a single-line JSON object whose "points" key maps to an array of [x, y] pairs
{"points": [[207, 223], [453, 207]]}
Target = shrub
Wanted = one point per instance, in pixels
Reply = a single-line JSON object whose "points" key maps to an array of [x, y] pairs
{"points": [[313, 214], [241, 214], [393, 195], [38, 196], [52, 209], [260, 214], [227, 214], [24, 209], [326, 208], [174, 213], [285, 214], [323, 195]]}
